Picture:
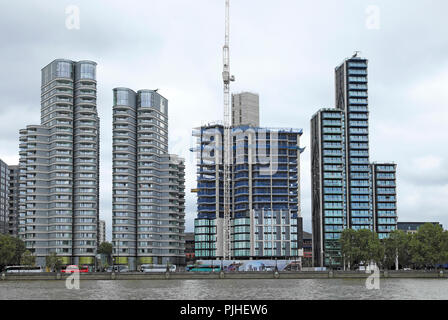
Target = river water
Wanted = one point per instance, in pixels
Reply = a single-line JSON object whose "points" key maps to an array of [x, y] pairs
{"points": [[268, 289]]}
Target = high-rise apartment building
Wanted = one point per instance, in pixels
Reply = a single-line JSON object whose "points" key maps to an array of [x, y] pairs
{"points": [[266, 220], [4, 198], [59, 167], [347, 190], [351, 99], [384, 191], [148, 183], [13, 219], [245, 109], [329, 182]]}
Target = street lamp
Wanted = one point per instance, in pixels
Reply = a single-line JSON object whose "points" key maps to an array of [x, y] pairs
{"points": [[327, 255]]}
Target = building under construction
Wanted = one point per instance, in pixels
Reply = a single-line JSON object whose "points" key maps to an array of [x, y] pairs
{"points": [[265, 217], [248, 181]]}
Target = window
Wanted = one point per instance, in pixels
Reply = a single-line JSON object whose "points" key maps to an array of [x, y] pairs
{"points": [[88, 71]]}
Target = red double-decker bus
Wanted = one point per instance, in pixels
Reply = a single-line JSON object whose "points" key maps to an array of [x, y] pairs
{"points": [[74, 268]]}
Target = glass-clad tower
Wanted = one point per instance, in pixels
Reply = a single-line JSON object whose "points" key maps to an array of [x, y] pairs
{"points": [[351, 99], [59, 167], [329, 183], [385, 197], [347, 190], [148, 183]]}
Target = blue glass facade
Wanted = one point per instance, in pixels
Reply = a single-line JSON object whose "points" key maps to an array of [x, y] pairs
{"points": [[265, 176], [347, 190], [329, 182], [352, 100], [385, 198]]}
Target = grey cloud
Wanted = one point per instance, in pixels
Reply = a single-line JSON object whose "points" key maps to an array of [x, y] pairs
{"points": [[286, 51]]}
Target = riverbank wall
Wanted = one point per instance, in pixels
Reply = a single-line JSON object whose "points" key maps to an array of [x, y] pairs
{"points": [[227, 275]]}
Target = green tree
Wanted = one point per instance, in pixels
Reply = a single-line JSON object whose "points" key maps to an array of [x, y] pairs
{"points": [[19, 250], [28, 259], [375, 249], [361, 246], [445, 246], [53, 262], [362, 243], [7, 250], [397, 244], [348, 247], [105, 248], [11, 250], [369, 247], [427, 246]]}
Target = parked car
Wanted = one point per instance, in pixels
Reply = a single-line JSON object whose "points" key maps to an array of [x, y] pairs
{"points": [[119, 268]]}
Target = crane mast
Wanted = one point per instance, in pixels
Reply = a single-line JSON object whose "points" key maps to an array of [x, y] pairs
{"points": [[227, 78]]}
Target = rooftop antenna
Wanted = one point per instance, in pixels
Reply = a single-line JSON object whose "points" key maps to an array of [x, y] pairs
{"points": [[356, 54]]}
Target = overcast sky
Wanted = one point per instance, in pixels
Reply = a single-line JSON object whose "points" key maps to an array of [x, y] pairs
{"points": [[284, 50]]}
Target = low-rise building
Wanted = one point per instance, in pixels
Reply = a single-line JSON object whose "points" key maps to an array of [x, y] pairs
{"points": [[189, 247], [307, 249], [412, 227]]}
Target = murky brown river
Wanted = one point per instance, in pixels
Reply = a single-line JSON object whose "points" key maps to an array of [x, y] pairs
{"points": [[227, 289]]}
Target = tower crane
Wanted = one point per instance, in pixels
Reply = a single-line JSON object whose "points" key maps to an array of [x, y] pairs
{"points": [[227, 150]]}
